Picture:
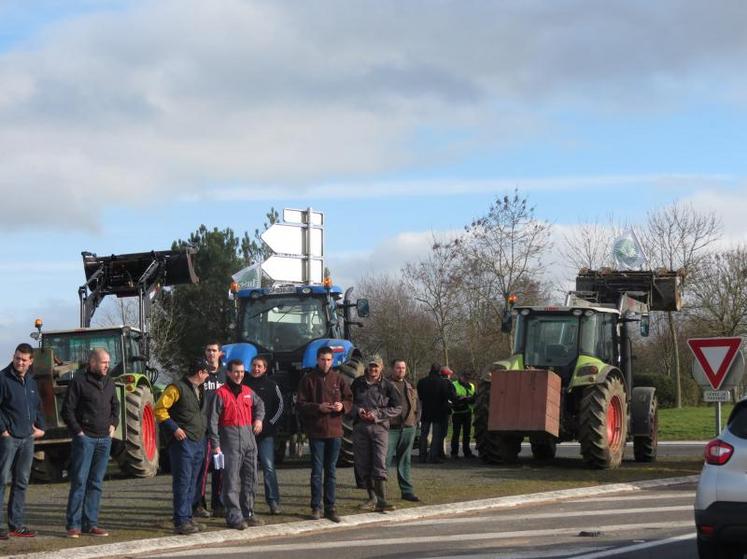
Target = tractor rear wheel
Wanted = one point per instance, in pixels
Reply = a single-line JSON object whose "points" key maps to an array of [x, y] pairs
{"points": [[644, 446], [349, 371], [602, 423], [139, 457], [544, 447]]}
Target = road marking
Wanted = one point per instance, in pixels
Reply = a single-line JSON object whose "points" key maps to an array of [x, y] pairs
{"points": [[378, 542], [638, 497], [636, 547], [547, 515]]}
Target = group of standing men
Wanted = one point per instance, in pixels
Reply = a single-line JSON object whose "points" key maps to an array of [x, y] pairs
{"points": [[443, 398], [223, 421]]}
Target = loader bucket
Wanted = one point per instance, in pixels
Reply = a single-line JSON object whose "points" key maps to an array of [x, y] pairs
{"points": [[122, 272], [661, 289]]}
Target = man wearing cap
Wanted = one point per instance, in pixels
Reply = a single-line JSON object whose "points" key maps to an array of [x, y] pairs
{"points": [[402, 429], [461, 419], [375, 402], [323, 398], [179, 413]]}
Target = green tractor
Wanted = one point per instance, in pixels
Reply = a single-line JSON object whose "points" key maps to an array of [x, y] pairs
{"points": [[62, 353], [581, 385]]}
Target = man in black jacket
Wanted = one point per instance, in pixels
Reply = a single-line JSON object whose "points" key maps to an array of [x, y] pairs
{"points": [[268, 390], [434, 397], [21, 421], [91, 413]]}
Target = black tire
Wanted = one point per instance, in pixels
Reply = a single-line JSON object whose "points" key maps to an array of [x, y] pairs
{"points": [[349, 372], [139, 457], [487, 443], [544, 447], [509, 447], [716, 550], [644, 447], [603, 423], [51, 466]]}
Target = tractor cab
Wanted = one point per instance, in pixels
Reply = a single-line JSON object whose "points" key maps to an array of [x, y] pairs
{"points": [[74, 346], [559, 338]]}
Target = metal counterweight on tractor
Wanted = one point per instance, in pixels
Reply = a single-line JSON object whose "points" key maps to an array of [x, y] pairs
{"points": [[287, 325], [62, 353], [570, 376]]}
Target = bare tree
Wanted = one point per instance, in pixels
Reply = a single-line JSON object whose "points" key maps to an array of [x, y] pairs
{"points": [[502, 253], [435, 283], [718, 293], [397, 327], [590, 244], [677, 237]]}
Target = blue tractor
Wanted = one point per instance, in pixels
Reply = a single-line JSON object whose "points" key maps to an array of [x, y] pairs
{"points": [[287, 325]]}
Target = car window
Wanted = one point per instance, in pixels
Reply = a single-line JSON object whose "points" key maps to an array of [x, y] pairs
{"points": [[738, 420]]}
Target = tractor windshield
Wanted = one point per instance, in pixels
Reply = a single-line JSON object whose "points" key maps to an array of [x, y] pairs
{"points": [[283, 323], [76, 346], [548, 339]]}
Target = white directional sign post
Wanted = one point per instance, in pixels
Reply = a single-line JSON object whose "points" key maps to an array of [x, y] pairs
{"points": [[298, 245], [718, 365]]}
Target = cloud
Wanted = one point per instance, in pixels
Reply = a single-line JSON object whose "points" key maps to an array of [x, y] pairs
{"points": [[17, 323], [181, 98]]}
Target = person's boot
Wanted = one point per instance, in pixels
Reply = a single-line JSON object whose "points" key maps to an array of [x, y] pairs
{"points": [[381, 503], [371, 503]]}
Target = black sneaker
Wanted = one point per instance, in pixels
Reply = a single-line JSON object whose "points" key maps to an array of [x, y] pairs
{"points": [[254, 521], [410, 497], [275, 508], [331, 514], [316, 514], [23, 532], [201, 512], [186, 529], [238, 525]]}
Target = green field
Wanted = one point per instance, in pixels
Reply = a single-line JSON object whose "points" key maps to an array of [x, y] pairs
{"points": [[691, 423]]}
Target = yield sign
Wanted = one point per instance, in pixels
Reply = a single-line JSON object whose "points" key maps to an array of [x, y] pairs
{"points": [[715, 356]]}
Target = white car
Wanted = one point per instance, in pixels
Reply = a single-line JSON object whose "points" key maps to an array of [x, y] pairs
{"points": [[721, 498]]}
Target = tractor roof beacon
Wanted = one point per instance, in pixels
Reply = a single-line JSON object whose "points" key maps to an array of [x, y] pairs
{"points": [[61, 353], [581, 354]]}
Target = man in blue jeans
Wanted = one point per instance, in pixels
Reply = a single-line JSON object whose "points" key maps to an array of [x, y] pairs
{"points": [[21, 421], [91, 412], [268, 390], [179, 413], [323, 398]]}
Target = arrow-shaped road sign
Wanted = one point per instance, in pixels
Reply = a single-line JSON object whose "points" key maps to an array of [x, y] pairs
{"points": [[289, 239], [715, 356]]}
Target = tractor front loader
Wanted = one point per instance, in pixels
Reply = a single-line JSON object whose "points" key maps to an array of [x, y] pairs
{"points": [[62, 353]]}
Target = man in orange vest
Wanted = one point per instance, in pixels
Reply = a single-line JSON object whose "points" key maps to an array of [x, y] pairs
{"points": [[234, 420]]}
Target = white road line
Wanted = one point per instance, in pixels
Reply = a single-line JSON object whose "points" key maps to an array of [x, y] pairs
{"points": [[522, 534], [637, 547], [638, 497], [548, 515]]}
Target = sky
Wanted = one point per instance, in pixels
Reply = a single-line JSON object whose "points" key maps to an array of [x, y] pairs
{"points": [[125, 125]]}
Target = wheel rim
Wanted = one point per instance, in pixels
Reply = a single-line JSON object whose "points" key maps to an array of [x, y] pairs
{"points": [[149, 432], [614, 422]]}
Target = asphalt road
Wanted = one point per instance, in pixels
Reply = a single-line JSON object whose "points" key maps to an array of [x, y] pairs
{"points": [[650, 523]]}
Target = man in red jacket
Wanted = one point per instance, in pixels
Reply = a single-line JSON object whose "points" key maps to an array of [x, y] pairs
{"points": [[235, 418], [323, 398]]}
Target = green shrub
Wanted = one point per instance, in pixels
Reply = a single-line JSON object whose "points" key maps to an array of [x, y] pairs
{"points": [[664, 387]]}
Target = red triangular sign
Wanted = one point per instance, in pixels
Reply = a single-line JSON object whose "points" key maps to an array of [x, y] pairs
{"points": [[715, 356]]}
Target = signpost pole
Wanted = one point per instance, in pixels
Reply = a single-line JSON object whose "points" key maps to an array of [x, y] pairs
{"points": [[718, 418], [307, 248]]}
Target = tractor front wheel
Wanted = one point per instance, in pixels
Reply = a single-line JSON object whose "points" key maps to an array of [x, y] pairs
{"points": [[644, 446], [139, 457], [602, 423], [544, 447]]}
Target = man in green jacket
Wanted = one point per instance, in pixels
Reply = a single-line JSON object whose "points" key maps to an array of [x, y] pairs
{"points": [[461, 419]]}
